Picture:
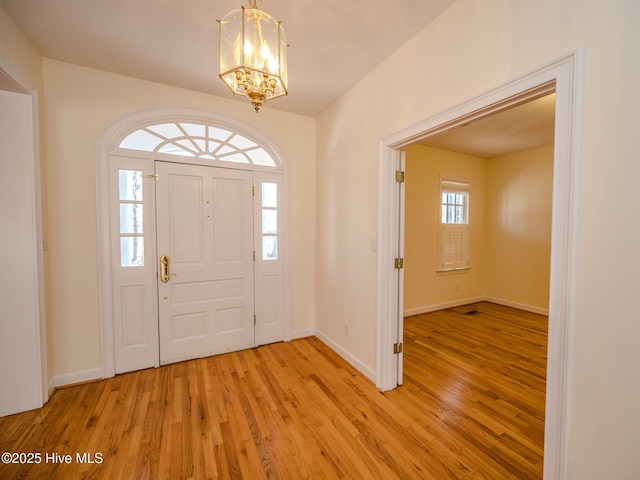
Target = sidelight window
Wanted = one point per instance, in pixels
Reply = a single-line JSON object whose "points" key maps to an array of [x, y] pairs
{"points": [[131, 218], [269, 221]]}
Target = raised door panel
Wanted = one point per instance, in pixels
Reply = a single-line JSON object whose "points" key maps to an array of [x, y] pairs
{"points": [[133, 270], [204, 218], [270, 242]]}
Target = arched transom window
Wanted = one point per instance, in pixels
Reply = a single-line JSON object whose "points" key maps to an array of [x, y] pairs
{"points": [[200, 141]]}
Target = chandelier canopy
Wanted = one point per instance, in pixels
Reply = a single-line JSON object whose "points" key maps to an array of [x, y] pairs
{"points": [[253, 54]]}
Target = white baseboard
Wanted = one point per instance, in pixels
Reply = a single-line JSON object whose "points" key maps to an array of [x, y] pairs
{"points": [[519, 306], [442, 306], [309, 332], [351, 359], [467, 301], [50, 389], [96, 373], [74, 377]]}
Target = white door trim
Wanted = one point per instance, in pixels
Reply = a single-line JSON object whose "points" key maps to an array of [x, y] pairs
{"points": [[14, 81], [563, 75], [107, 144]]}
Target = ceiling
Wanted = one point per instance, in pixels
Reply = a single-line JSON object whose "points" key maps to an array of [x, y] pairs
{"points": [[333, 43], [528, 125]]}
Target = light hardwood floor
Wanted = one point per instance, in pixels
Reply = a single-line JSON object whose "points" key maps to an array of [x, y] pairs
{"points": [[471, 407]]}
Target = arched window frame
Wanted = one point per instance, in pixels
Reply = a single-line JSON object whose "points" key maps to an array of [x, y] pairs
{"points": [[148, 119], [108, 144], [200, 140]]}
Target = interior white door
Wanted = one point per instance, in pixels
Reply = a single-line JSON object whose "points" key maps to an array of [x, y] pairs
{"points": [[205, 281], [401, 206], [21, 375]]}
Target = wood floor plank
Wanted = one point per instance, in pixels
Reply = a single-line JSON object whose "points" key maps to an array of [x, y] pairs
{"points": [[471, 407]]}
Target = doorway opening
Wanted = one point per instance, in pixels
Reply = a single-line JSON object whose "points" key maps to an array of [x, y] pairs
{"points": [[477, 243], [193, 238], [562, 77]]}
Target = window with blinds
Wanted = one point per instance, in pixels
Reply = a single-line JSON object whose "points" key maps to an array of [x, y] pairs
{"points": [[454, 226]]}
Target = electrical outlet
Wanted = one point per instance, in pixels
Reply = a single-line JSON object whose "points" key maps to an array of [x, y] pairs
{"points": [[347, 329]]}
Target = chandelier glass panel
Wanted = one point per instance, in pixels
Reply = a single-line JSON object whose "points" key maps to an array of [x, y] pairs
{"points": [[253, 54]]}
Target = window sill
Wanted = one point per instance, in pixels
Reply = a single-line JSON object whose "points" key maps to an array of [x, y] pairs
{"points": [[452, 271]]}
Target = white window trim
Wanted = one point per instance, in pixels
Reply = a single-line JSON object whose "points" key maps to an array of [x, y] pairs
{"points": [[199, 140], [107, 145], [454, 234]]}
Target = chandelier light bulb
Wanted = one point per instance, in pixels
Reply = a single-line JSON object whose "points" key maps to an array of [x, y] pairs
{"points": [[253, 54]]}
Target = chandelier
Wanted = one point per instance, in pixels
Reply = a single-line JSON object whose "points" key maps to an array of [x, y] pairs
{"points": [[253, 54]]}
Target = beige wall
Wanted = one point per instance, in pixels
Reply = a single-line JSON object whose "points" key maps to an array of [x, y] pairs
{"points": [[79, 103], [518, 246], [19, 52], [472, 47], [76, 104], [510, 229], [25, 60], [425, 287]]}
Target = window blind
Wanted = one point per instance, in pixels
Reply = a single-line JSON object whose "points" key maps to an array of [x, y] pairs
{"points": [[455, 247]]}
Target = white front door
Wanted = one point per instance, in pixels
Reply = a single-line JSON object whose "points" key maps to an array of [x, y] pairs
{"points": [[205, 260]]}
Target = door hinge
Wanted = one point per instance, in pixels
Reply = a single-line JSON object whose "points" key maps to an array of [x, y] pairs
{"points": [[397, 348], [154, 176], [254, 255], [398, 263], [254, 320], [399, 176], [253, 191]]}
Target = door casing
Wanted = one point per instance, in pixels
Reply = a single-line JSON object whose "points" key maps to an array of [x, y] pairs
{"points": [[107, 146], [564, 76], [13, 82]]}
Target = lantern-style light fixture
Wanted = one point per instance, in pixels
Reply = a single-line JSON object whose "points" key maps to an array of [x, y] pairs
{"points": [[253, 54]]}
